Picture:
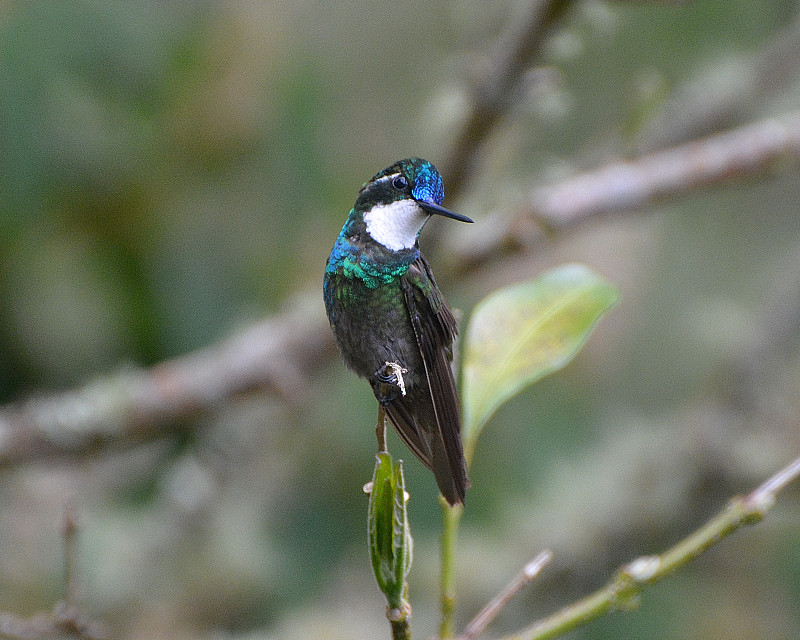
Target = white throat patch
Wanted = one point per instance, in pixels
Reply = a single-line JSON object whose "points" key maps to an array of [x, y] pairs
{"points": [[395, 225]]}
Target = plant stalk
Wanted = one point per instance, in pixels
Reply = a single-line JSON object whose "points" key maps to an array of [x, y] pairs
{"points": [[451, 519]]}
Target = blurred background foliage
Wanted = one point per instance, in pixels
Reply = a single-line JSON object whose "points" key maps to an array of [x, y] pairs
{"points": [[171, 171]]}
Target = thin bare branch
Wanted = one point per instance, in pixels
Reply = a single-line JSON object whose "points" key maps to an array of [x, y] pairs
{"points": [[629, 185], [70, 533], [494, 93], [498, 603], [636, 183], [66, 619], [766, 493]]}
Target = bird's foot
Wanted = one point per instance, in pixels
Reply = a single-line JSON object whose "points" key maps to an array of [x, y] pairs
{"points": [[388, 381]]}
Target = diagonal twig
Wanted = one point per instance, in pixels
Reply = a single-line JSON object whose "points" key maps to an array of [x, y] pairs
{"points": [[66, 618], [494, 93], [496, 605]]}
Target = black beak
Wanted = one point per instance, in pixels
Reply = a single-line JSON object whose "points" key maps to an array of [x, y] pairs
{"points": [[433, 208]]}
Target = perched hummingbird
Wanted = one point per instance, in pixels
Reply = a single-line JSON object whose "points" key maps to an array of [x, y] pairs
{"points": [[390, 320]]}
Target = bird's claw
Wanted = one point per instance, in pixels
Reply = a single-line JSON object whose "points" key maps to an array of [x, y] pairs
{"points": [[388, 379]]}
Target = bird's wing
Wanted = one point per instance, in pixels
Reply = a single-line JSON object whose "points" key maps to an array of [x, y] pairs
{"points": [[435, 329]]}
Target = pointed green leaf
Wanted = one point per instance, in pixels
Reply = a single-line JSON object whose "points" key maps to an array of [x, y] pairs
{"points": [[522, 332], [403, 543], [390, 542]]}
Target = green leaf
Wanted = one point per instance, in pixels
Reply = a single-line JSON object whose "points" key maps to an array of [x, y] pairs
{"points": [[390, 542], [522, 332]]}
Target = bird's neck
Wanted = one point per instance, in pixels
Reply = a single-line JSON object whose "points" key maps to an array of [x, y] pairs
{"points": [[359, 255], [395, 225]]}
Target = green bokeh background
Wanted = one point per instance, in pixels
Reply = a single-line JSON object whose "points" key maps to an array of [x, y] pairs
{"points": [[171, 171]]}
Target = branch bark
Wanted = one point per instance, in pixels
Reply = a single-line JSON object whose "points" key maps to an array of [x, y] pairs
{"points": [[629, 185], [275, 355]]}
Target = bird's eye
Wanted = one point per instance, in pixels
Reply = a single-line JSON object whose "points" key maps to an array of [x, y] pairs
{"points": [[400, 183]]}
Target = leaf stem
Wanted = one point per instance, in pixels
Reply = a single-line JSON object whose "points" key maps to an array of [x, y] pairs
{"points": [[451, 519], [380, 429], [399, 620]]}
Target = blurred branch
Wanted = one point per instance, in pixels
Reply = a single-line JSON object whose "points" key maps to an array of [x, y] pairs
{"points": [[633, 184], [70, 533], [62, 622], [65, 620], [725, 94], [495, 91], [632, 578], [276, 354]]}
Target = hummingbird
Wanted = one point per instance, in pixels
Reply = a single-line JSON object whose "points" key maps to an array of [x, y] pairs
{"points": [[391, 322]]}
